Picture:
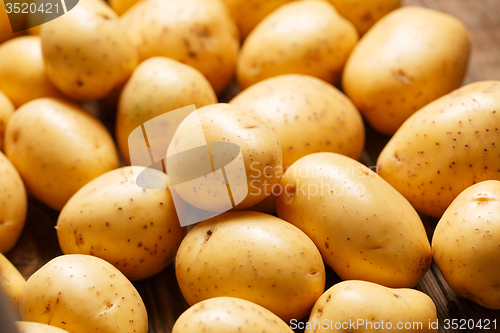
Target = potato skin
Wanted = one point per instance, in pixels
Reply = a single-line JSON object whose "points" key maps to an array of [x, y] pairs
{"points": [[6, 111], [252, 256], [229, 314], [359, 300], [303, 37], [89, 294], [23, 75], [308, 116], [199, 33], [11, 282], [445, 147], [362, 226], [158, 85], [402, 64], [31, 327], [13, 204], [466, 244], [134, 229], [52, 163]]}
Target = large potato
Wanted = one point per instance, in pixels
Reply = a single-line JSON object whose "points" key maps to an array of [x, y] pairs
{"points": [[260, 152], [158, 85], [229, 314], [57, 148], [466, 244], [87, 54], [445, 147], [308, 116], [31, 327], [364, 307], [6, 110], [11, 282], [111, 217], [199, 33], [81, 293], [408, 59], [364, 229], [252, 256], [23, 76], [13, 204], [304, 37]]}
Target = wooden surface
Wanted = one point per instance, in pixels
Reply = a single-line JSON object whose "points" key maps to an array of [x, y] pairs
{"points": [[162, 296]]}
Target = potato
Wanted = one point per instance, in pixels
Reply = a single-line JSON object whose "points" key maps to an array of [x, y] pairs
{"points": [[304, 37], [31, 327], [307, 115], [364, 229], [253, 256], [402, 64], [466, 244], [13, 204], [361, 306], [229, 314], [445, 147], [158, 85], [364, 13], [199, 33], [23, 76], [11, 282], [57, 148], [81, 293], [248, 13], [90, 54], [259, 149], [6, 110], [121, 6], [111, 217]]}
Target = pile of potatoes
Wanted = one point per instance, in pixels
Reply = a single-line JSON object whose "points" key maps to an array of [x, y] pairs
{"points": [[303, 79]]}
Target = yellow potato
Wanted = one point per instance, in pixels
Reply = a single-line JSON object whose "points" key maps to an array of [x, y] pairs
{"points": [[87, 54], [23, 76], [253, 256], [445, 147], [364, 229], [307, 115], [111, 217], [158, 85], [466, 243], [121, 6], [6, 111], [31, 327], [364, 13], [81, 293], [402, 64], [364, 307], [229, 314], [304, 37], [248, 13], [57, 148], [11, 282], [260, 152], [199, 33], [13, 204]]}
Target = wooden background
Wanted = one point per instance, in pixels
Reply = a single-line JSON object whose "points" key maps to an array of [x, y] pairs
{"points": [[38, 243]]}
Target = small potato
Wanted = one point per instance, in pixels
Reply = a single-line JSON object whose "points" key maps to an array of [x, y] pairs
{"points": [[229, 314], [158, 85], [303, 37], [445, 147], [81, 293], [13, 204], [199, 33], [6, 110], [466, 244], [111, 217], [411, 57], [31, 327], [11, 282], [121, 6], [308, 116], [373, 308], [57, 148], [253, 256], [364, 229], [23, 75], [87, 54]]}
